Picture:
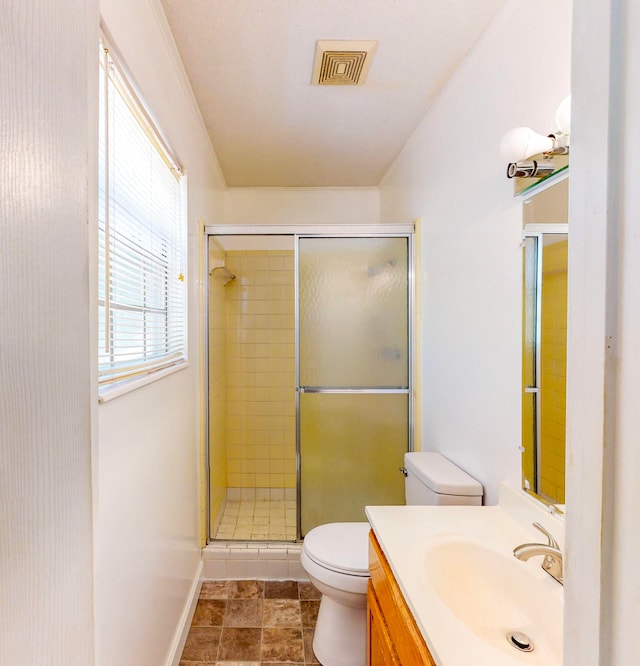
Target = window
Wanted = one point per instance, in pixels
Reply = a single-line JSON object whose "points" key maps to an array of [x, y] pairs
{"points": [[141, 289]]}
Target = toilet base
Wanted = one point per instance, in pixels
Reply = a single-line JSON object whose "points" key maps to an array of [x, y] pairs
{"points": [[340, 637]]}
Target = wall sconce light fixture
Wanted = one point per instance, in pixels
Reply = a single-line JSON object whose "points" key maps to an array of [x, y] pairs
{"points": [[521, 143]]}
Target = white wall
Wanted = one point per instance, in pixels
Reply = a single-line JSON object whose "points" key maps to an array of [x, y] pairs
{"points": [[621, 484], [45, 353], [283, 205], [146, 483], [450, 174], [602, 582]]}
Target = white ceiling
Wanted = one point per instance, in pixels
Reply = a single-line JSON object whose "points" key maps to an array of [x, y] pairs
{"points": [[250, 64]]}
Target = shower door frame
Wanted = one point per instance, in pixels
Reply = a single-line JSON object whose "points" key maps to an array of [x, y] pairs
{"points": [[538, 232], [408, 391], [312, 231]]}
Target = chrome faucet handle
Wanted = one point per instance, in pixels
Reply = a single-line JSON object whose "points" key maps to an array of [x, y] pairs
{"points": [[552, 562], [552, 542]]}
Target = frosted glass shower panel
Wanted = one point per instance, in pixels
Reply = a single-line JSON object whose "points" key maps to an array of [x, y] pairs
{"points": [[352, 446], [529, 310], [353, 312], [544, 349], [530, 341]]}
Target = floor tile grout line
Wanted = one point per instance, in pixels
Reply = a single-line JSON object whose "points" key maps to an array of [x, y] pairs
{"points": [[247, 509], [263, 589]]}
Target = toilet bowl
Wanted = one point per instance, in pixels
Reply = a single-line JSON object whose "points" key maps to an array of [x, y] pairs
{"points": [[335, 557]]}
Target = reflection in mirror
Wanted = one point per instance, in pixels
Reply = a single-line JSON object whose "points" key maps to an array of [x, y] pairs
{"points": [[544, 343]]}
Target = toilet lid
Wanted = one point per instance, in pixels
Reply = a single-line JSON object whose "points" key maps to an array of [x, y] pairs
{"points": [[341, 547]]}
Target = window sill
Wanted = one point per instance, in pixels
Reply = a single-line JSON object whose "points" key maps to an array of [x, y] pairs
{"points": [[122, 388]]}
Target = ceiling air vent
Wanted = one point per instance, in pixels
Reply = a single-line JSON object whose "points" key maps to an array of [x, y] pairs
{"points": [[342, 62]]}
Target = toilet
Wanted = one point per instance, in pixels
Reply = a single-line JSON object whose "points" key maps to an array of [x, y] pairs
{"points": [[335, 557]]}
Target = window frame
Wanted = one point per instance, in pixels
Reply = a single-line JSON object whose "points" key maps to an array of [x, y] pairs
{"points": [[163, 346]]}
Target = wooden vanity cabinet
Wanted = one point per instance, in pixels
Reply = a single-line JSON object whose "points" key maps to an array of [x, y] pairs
{"points": [[393, 637]]}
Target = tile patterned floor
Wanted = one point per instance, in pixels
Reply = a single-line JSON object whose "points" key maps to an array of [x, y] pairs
{"points": [[258, 519], [253, 623]]}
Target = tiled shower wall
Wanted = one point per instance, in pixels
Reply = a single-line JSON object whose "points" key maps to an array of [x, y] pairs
{"points": [[260, 370]]}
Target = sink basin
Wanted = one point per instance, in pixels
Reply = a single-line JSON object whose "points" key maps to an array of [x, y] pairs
{"points": [[492, 594]]}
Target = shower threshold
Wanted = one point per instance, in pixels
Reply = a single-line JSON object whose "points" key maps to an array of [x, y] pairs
{"points": [[237, 560]]}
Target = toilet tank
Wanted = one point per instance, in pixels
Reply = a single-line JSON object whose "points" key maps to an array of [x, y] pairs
{"points": [[432, 479]]}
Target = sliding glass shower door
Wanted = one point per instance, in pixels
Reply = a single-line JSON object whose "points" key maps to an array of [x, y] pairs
{"points": [[544, 352], [353, 374]]}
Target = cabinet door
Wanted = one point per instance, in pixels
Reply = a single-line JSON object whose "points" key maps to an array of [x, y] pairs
{"points": [[388, 608], [380, 650]]}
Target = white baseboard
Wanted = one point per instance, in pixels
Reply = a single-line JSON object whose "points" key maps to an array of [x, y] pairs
{"points": [[182, 631]]}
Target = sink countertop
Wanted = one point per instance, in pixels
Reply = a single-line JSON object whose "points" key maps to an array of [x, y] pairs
{"points": [[407, 533]]}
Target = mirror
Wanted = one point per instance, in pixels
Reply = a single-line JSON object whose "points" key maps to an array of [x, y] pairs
{"points": [[544, 342]]}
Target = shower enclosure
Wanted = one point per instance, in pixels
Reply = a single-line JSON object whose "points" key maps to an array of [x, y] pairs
{"points": [[309, 356], [544, 363]]}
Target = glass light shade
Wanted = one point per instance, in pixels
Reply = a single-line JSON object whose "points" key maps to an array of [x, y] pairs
{"points": [[522, 142], [563, 116]]}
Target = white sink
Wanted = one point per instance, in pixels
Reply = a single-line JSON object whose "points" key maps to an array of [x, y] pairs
{"points": [[492, 594], [465, 589]]}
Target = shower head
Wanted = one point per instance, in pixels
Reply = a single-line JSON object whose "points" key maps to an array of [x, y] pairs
{"points": [[226, 275]]}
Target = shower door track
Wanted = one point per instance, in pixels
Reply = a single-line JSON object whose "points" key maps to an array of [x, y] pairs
{"points": [[329, 230], [318, 231]]}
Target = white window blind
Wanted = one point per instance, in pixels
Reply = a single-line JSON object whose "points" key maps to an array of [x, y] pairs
{"points": [[141, 290]]}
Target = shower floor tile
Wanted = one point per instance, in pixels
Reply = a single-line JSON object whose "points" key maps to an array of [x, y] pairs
{"points": [[258, 519]]}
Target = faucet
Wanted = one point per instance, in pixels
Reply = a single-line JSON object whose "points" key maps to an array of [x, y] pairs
{"points": [[552, 562]]}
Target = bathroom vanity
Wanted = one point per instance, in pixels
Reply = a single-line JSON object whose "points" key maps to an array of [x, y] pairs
{"points": [[446, 589], [393, 638]]}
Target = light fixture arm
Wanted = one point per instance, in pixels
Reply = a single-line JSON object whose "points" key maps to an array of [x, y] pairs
{"points": [[520, 144], [560, 144]]}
